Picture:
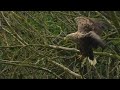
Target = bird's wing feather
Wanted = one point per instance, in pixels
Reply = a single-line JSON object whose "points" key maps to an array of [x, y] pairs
{"points": [[95, 39], [83, 22]]}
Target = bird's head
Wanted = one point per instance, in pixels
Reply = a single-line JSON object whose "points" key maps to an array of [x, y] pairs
{"points": [[68, 37], [81, 19], [72, 37]]}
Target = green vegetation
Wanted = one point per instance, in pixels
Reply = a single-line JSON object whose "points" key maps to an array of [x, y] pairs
{"points": [[32, 46]]}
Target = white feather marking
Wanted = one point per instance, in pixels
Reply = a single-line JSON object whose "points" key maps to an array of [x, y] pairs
{"points": [[92, 62]]}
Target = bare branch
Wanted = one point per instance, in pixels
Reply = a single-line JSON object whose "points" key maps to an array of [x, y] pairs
{"points": [[66, 69], [64, 48], [14, 63]]}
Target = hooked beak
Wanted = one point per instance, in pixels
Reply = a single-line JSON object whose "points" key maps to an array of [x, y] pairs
{"points": [[64, 38]]}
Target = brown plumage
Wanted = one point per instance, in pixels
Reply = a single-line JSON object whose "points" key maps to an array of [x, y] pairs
{"points": [[88, 35], [86, 24]]}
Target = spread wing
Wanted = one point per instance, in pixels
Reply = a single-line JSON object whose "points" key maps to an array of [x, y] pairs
{"points": [[94, 40], [98, 26], [89, 41], [86, 24], [83, 23]]}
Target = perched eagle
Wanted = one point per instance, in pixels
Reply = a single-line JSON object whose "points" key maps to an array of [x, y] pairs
{"points": [[88, 36]]}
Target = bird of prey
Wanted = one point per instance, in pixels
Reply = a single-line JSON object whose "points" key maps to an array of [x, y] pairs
{"points": [[88, 36]]}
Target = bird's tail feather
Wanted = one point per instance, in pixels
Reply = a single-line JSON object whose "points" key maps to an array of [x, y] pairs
{"points": [[92, 62]]}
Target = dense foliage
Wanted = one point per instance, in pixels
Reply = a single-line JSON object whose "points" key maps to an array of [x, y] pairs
{"points": [[25, 37]]}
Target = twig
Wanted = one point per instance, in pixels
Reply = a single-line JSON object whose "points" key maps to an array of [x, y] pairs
{"points": [[28, 65], [40, 45], [13, 35], [97, 72], [66, 69], [107, 54], [64, 48], [13, 31], [106, 19], [109, 35]]}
